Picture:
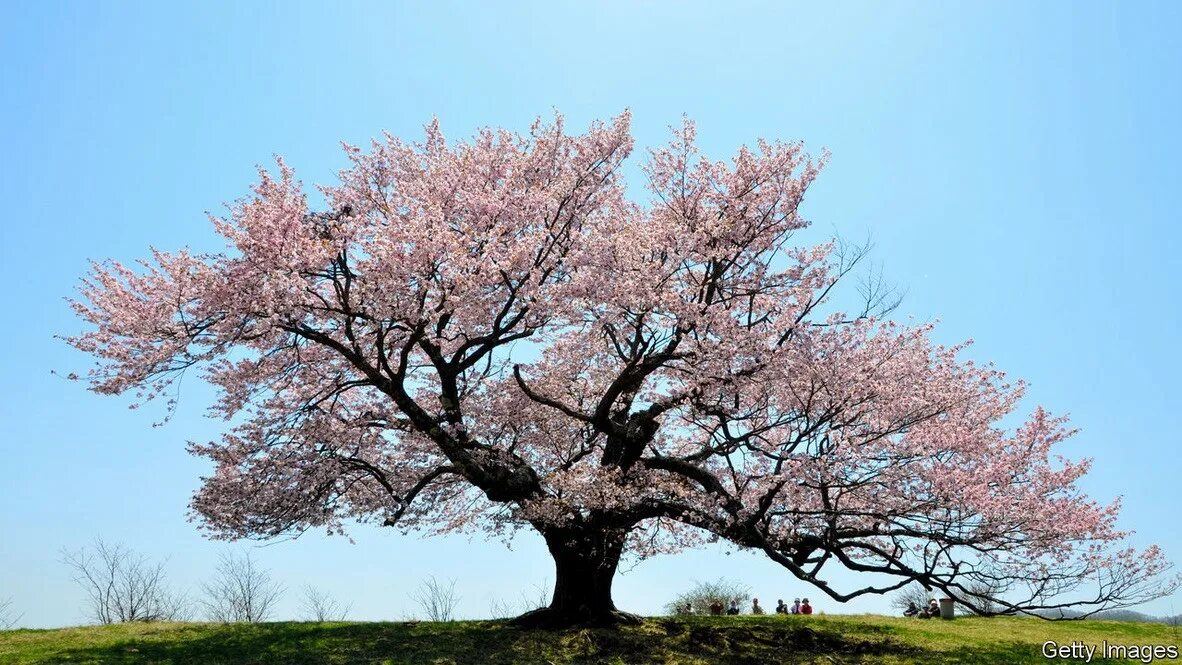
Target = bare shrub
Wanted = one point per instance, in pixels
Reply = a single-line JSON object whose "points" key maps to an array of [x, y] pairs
{"points": [[703, 594], [8, 615], [123, 586], [982, 594], [536, 598], [319, 605], [241, 591], [912, 594], [437, 600]]}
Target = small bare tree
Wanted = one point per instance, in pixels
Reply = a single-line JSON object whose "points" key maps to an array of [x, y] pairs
{"points": [[241, 591], [437, 600], [538, 598], [320, 606], [123, 585], [8, 615], [984, 594]]}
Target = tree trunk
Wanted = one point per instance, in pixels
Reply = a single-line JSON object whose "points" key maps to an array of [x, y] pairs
{"points": [[585, 562]]}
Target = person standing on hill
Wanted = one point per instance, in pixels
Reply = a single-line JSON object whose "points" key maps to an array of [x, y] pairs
{"points": [[805, 608], [755, 606], [795, 606]]}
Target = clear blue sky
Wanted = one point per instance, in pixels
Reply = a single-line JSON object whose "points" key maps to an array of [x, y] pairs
{"points": [[1017, 164]]}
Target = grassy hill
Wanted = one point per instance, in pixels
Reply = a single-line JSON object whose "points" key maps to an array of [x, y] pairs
{"points": [[698, 640]]}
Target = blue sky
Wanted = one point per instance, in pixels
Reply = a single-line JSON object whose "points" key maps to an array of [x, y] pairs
{"points": [[1016, 164]]}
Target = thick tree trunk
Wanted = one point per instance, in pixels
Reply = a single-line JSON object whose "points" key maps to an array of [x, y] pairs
{"points": [[585, 562]]}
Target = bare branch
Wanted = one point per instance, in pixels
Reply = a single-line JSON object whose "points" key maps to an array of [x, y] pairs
{"points": [[240, 591], [319, 605], [437, 600], [123, 586]]}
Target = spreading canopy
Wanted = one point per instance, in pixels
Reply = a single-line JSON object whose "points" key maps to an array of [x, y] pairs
{"points": [[488, 334]]}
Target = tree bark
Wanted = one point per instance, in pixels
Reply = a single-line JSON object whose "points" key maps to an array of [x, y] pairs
{"points": [[585, 562]]}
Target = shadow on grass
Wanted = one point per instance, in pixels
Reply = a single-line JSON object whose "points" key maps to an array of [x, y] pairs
{"points": [[693, 640]]}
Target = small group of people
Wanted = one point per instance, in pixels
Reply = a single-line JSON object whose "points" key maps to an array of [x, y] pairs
{"points": [[797, 607], [932, 610], [718, 609]]}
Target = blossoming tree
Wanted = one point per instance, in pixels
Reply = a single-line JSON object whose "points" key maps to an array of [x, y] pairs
{"points": [[490, 335]]}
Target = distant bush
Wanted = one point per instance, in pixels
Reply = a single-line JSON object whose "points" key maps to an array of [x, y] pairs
{"points": [[981, 594], [537, 598], [320, 606], [1131, 616], [437, 600], [702, 594], [912, 594]]}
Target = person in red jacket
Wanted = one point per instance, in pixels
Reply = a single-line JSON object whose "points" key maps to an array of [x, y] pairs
{"points": [[805, 608]]}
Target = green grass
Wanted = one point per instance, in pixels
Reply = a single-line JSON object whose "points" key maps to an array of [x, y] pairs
{"points": [[697, 640]]}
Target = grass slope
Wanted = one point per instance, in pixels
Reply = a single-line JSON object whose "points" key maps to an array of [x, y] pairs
{"points": [[695, 640]]}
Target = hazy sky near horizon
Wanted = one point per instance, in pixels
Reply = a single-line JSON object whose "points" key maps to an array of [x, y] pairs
{"points": [[1017, 165]]}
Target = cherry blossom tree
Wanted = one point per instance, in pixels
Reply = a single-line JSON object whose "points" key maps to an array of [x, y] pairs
{"points": [[492, 335]]}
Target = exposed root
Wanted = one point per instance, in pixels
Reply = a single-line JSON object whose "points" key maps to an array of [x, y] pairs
{"points": [[550, 619]]}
